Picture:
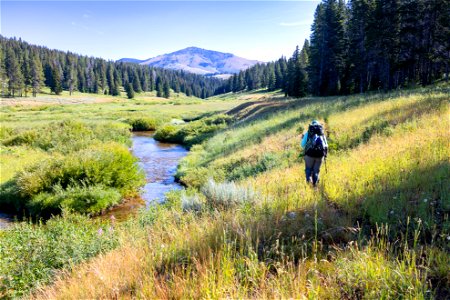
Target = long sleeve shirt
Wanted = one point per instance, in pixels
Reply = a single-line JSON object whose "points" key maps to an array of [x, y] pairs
{"points": [[305, 138]]}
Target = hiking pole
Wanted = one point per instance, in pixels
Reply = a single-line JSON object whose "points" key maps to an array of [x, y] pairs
{"points": [[326, 170]]}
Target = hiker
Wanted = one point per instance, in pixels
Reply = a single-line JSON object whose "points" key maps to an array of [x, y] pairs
{"points": [[315, 148]]}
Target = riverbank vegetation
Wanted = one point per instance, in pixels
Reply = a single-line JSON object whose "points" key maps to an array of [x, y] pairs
{"points": [[65, 157], [249, 226]]}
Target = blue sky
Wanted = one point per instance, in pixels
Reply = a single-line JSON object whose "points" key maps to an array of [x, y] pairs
{"points": [[262, 30]]}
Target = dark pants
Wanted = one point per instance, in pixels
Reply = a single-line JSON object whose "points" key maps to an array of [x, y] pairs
{"points": [[312, 168]]}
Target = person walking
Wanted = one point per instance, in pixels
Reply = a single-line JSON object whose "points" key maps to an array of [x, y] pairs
{"points": [[315, 148]]}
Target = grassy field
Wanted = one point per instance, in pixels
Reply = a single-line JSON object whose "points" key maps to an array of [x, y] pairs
{"points": [[69, 153], [249, 226]]}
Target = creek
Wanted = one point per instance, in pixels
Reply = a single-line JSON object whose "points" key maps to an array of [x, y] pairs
{"points": [[159, 162]]}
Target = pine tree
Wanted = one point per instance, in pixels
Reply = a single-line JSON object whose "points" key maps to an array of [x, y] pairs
{"points": [[271, 86], [176, 86], [70, 74], [13, 72], [188, 92], [328, 48], [159, 88], [166, 89], [56, 85], [100, 74], [26, 71], [358, 65], [110, 78], [3, 78], [136, 82], [37, 75], [129, 90], [116, 88], [296, 83], [144, 81], [383, 42]]}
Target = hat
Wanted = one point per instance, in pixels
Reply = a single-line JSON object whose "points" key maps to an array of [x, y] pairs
{"points": [[315, 122]]}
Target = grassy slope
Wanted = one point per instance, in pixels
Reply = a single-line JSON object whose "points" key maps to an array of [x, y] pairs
{"points": [[377, 228]]}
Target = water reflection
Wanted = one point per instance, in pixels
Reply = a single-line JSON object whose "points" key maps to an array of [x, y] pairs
{"points": [[159, 162]]}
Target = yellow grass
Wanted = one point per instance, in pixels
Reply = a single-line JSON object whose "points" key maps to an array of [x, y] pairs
{"points": [[276, 249]]}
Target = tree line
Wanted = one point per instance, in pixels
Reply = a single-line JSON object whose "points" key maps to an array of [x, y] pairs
{"points": [[358, 46], [25, 69]]}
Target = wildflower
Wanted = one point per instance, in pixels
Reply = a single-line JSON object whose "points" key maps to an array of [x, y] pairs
{"points": [[391, 212], [425, 200], [100, 231]]}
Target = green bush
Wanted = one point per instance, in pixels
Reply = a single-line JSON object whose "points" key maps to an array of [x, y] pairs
{"points": [[143, 123], [68, 136], [30, 253], [88, 200], [193, 132], [110, 166], [169, 133]]}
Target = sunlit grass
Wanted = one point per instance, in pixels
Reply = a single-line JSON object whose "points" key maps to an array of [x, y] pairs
{"points": [[15, 159], [377, 227]]}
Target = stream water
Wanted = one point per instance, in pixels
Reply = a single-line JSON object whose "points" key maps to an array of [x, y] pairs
{"points": [[159, 162]]}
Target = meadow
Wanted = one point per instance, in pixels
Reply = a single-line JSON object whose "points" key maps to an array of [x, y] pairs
{"points": [[68, 155], [247, 225]]}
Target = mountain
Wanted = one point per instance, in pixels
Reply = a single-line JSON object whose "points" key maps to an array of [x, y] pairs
{"points": [[198, 61], [130, 60]]}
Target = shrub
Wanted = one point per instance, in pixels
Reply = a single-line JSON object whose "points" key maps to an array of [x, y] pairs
{"points": [[193, 132], [82, 199], [30, 253], [169, 133], [195, 177], [109, 165], [191, 202], [228, 194], [143, 123]]}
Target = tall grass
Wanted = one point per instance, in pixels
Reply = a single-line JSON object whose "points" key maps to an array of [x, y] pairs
{"points": [[68, 135], [288, 240], [30, 253]]}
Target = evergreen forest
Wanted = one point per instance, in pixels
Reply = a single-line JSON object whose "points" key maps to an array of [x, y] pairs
{"points": [[25, 69], [358, 46]]}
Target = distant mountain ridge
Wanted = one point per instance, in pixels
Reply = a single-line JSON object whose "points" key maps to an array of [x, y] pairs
{"points": [[198, 61]]}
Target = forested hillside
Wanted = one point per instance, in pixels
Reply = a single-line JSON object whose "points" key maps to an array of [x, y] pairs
{"points": [[361, 45], [25, 69]]}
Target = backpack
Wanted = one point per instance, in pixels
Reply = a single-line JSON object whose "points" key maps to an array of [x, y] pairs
{"points": [[316, 145]]}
